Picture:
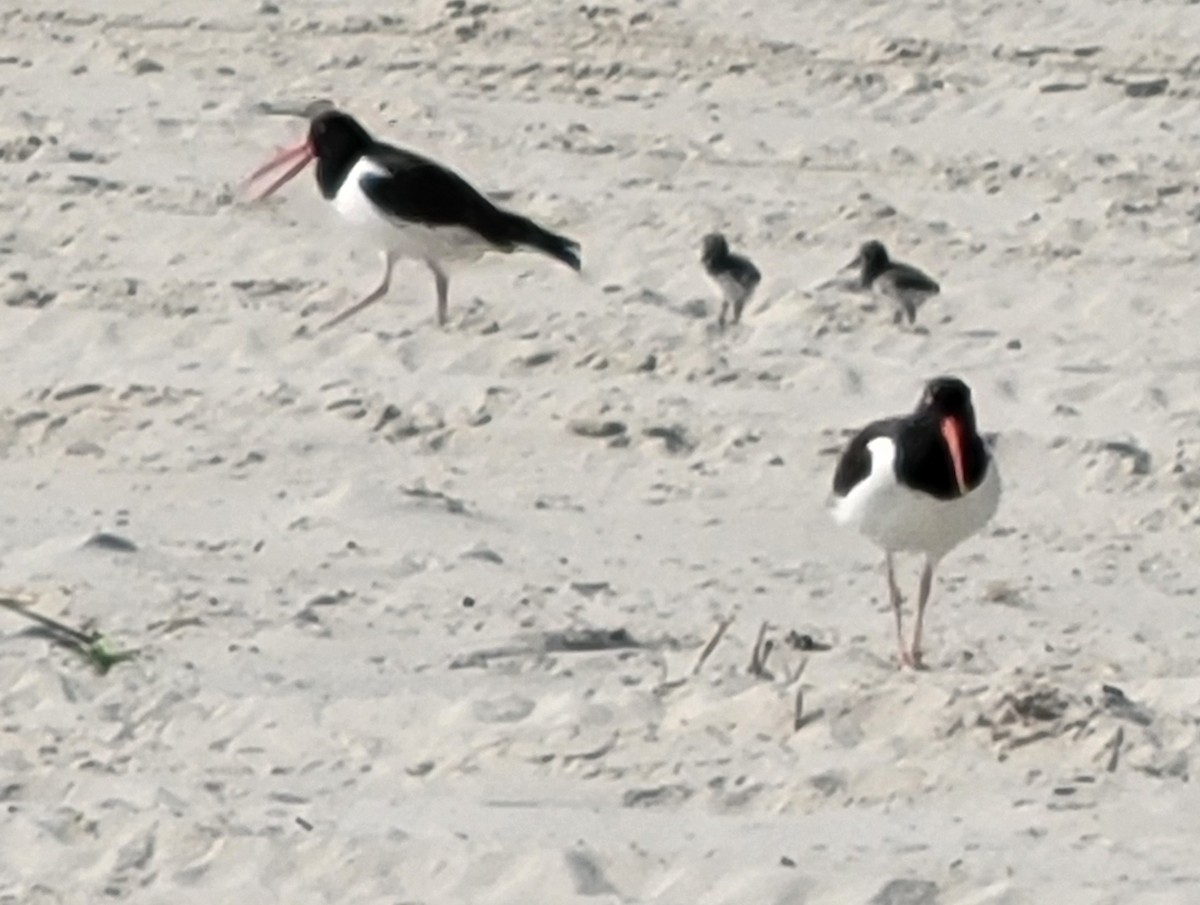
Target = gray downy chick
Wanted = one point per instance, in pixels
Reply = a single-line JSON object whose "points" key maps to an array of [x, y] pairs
{"points": [[734, 275]]}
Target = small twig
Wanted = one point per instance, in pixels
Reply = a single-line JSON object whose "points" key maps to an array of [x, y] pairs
{"points": [[798, 713], [712, 644], [793, 677], [1117, 740], [758, 656], [1080, 727], [91, 647], [67, 633]]}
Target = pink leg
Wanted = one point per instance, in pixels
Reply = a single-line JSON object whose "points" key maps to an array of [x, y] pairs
{"points": [[442, 282], [897, 600], [375, 295], [922, 599]]}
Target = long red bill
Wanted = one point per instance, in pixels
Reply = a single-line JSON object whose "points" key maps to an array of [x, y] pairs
{"points": [[303, 156], [952, 434]]}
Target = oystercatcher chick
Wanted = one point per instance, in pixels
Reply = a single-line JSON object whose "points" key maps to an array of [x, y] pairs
{"points": [[902, 284], [408, 205], [735, 276], [921, 483]]}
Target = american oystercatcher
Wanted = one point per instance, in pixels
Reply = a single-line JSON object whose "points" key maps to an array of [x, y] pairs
{"points": [[735, 275], [410, 206], [920, 483], [905, 286]]}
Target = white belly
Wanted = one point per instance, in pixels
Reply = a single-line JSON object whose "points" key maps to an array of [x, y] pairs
{"points": [[899, 519], [401, 237], [731, 291]]}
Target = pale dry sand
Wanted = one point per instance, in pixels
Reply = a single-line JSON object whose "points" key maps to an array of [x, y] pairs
{"points": [[317, 717]]}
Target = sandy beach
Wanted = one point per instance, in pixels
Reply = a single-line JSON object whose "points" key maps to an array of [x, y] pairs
{"points": [[419, 610]]}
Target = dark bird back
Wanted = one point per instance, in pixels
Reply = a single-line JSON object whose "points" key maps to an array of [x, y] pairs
{"points": [[418, 190], [735, 274]]}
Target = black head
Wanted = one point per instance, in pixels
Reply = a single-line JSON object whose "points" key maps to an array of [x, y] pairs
{"points": [[947, 397], [336, 137], [872, 259], [945, 411], [337, 141], [715, 247]]}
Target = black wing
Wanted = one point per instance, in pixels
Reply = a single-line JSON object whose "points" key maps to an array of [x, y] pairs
{"points": [[908, 279], [744, 271], [421, 191], [855, 463]]}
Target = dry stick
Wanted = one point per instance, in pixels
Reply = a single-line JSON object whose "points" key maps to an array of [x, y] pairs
{"points": [[758, 656], [1115, 744], [792, 677], [712, 643], [91, 646], [53, 624]]}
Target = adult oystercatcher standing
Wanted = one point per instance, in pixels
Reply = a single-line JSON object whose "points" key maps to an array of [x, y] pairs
{"points": [[904, 285], [409, 205], [922, 483]]}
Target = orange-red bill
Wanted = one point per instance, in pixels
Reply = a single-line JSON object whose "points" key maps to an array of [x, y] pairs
{"points": [[952, 434], [303, 156]]}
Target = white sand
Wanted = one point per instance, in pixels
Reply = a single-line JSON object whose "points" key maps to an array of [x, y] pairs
{"points": [[298, 583]]}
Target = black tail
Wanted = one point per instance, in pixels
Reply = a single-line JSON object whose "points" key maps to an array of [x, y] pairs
{"points": [[520, 230]]}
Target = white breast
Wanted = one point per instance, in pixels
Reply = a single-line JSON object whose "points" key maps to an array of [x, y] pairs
{"points": [[898, 518], [732, 291]]}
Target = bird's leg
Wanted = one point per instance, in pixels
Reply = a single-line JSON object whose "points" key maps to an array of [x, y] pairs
{"points": [[897, 600], [738, 301], [914, 652], [721, 316], [442, 282], [375, 295]]}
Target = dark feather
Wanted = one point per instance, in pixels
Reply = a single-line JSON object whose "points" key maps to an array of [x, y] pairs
{"points": [[909, 279], [743, 272], [420, 191], [922, 461], [855, 463]]}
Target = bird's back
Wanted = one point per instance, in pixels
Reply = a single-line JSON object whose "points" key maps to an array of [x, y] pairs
{"points": [[415, 188], [743, 271], [908, 279]]}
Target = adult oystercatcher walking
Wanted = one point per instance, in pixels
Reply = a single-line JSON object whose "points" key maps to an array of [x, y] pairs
{"points": [[922, 483], [409, 205], [735, 275], [904, 285]]}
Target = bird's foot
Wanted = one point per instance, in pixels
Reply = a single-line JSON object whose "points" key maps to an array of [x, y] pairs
{"points": [[911, 659]]}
